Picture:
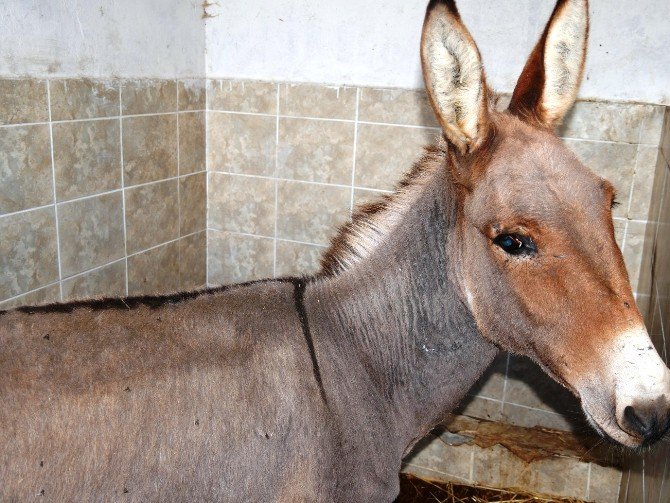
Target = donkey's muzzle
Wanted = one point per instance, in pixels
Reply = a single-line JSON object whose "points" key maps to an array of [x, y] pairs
{"points": [[648, 421]]}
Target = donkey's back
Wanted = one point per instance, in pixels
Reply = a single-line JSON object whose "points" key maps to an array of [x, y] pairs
{"points": [[209, 398]]}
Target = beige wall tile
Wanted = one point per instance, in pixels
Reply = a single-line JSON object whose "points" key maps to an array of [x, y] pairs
{"points": [[192, 203], [193, 261], [528, 385], [23, 100], [108, 281], [619, 122], [651, 127], [427, 474], [492, 383], [234, 258], [192, 146], [643, 303], [498, 467], [241, 204], [149, 148], [665, 136], [309, 212], [154, 271], [656, 473], [192, 94], [482, 408], [297, 259], [432, 453], [619, 231], [241, 143], [25, 168], [604, 483], [315, 150], [91, 232], [47, 295], [637, 254], [613, 161], [83, 99], [646, 188], [632, 491], [396, 106], [242, 96], [87, 157], [385, 153], [318, 101], [529, 418], [660, 176], [148, 96], [28, 251], [152, 215]]}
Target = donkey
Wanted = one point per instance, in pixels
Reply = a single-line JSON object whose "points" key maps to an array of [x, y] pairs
{"points": [[313, 389]]}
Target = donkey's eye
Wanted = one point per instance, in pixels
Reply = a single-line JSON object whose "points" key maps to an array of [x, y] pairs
{"points": [[515, 244]]}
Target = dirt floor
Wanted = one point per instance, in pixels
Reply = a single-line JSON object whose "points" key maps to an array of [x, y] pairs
{"points": [[416, 490]]}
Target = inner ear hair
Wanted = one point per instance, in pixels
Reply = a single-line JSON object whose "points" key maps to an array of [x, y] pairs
{"points": [[548, 85], [454, 76]]}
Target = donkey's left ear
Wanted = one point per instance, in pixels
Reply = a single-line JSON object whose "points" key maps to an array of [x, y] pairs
{"points": [[454, 76], [549, 82]]}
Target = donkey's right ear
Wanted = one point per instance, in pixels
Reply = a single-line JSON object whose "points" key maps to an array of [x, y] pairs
{"points": [[454, 76]]}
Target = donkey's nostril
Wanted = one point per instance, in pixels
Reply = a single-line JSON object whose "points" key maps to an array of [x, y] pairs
{"points": [[648, 422]]}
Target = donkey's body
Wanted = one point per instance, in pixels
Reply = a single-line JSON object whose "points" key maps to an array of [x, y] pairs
{"points": [[220, 397], [313, 389]]}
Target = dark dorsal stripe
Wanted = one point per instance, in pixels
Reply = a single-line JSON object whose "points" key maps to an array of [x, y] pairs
{"points": [[123, 303], [298, 296]]}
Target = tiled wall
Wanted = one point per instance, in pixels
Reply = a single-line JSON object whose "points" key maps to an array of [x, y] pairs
{"points": [[287, 163], [102, 188], [648, 480]]}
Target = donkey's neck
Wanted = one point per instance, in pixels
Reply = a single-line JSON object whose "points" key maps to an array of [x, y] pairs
{"points": [[393, 330]]}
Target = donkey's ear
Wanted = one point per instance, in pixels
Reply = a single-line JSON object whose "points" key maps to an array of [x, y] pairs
{"points": [[454, 76], [549, 82]]}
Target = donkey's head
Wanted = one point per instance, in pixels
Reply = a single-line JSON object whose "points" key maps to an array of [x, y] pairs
{"points": [[541, 270]]}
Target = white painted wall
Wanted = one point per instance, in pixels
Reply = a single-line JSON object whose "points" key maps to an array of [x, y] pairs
{"points": [[375, 42], [102, 38]]}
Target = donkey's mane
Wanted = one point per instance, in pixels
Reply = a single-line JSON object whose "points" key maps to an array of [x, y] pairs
{"points": [[372, 222]]}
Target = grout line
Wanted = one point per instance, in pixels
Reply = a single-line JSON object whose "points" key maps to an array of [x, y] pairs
{"points": [[276, 186], [644, 489], [635, 169], [309, 182], [328, 119], [100, 194], [179, 262], [55, 205], [660, 319], [171, 241], [353, 161], [527, 407], [96, 268], [504, 391], [588, 482], [625, 235], [261, 236], [123, 193], [53, 283], [90, 119], [472, 464], [207, 194], [663, 479]]}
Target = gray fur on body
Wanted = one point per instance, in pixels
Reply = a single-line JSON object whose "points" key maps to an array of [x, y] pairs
{"points": [[215, 398]]}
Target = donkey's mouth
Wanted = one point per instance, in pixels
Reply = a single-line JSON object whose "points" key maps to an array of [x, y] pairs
{"points": [[611, 432]]}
